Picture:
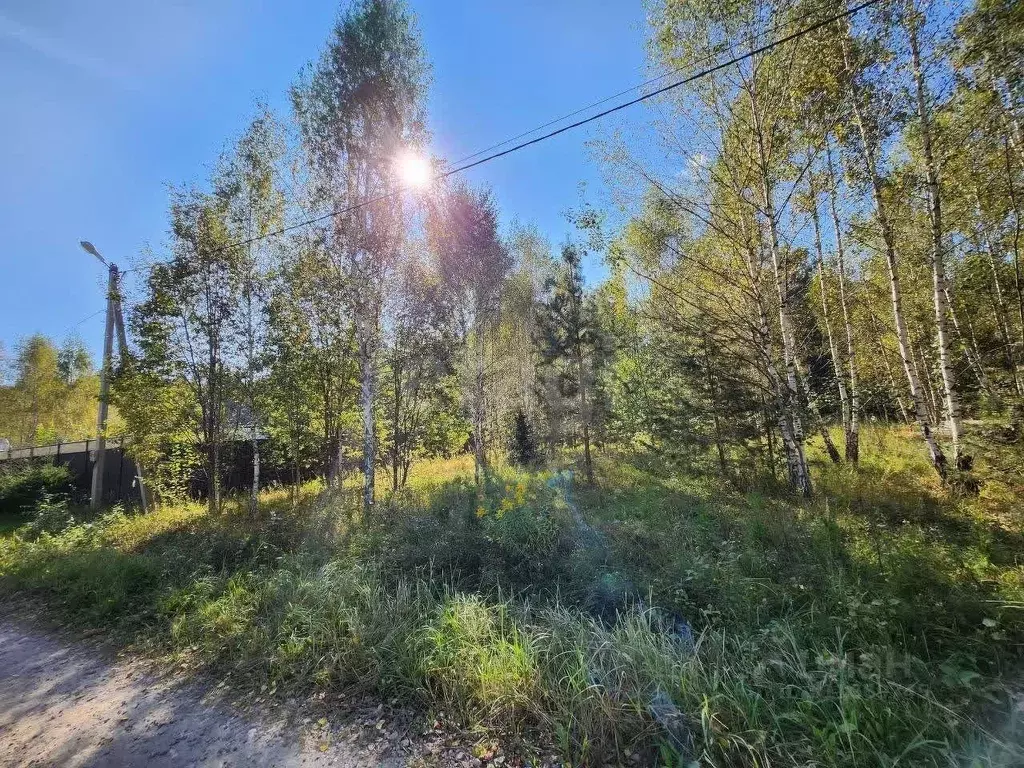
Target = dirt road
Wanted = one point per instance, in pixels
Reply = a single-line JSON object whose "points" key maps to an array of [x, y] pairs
{"points": [[71, 703]]}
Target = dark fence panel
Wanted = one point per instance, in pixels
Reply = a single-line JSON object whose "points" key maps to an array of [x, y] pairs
{"points": [[120, 482], [236, 469]]}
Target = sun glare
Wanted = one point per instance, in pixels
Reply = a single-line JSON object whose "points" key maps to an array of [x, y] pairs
{"points": [[414, 169]]}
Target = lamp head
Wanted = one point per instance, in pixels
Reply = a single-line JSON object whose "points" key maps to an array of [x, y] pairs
{"points": [[91, 249]]}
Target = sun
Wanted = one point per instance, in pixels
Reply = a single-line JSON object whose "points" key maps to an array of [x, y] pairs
{"points": [[414, 169]]}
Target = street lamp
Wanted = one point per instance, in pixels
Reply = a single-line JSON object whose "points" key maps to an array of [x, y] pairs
{"points": [[96, 489], [91, 250], [114, 321]]}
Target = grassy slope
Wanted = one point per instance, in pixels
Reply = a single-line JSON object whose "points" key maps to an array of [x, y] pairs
{"points": [[879, 625]]}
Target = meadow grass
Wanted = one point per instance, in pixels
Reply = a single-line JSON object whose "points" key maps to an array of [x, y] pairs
{"points": [[662, 613]]}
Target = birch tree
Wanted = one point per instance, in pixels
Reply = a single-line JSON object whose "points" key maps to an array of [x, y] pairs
{"points": [[255, 208], [870, 123], [473, 263], [185, 318], [939, 287], [358, 108]]}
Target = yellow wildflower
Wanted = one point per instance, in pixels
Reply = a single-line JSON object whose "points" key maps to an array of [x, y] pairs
{"points": [[505, 506]]}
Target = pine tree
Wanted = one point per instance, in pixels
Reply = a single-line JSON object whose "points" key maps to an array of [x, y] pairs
{"points": [[523, 448], [568, 338]]}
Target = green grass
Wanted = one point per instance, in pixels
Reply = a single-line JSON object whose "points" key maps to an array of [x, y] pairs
{"points": [[880, 624]]}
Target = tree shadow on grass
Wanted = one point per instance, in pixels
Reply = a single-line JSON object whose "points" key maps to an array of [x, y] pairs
{"points": [[97, 581], [891, 501]]}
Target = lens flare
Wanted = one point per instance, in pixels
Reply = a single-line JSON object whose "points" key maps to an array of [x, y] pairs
{"points": [[414, 169]]}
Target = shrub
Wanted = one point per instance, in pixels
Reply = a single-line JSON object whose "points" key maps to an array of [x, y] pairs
{"points": [[24, 485], [52, 515]]}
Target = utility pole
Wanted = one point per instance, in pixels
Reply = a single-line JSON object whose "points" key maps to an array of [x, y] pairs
{"points": [[115, 320], [96, 493]]}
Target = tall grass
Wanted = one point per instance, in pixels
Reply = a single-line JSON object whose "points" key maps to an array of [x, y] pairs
{"points": [[691, 621]]}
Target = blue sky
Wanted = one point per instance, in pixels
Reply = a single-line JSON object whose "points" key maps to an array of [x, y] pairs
{"points": [[107, 103]]}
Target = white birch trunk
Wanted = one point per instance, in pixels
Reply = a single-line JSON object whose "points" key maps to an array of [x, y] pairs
{"points": [[793, 433], [853, 419], [1018, 277], [949, 387], [970, 344], [255, 493], [832, 345], [796, 461], [367, 382], [479, 412], [938, 458], [1001, 313]]}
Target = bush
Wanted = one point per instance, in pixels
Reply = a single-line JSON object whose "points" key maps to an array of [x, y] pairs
{"points": [[51, 515], [24, 485]]}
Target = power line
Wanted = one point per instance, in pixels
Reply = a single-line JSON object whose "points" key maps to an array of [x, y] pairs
{"points": [[658, 78], [579, 123], [73, 326], [664, 89]]}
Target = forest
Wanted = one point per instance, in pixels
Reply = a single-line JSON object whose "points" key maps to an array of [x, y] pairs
{"points": [[51, 394], [732, 475]]}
